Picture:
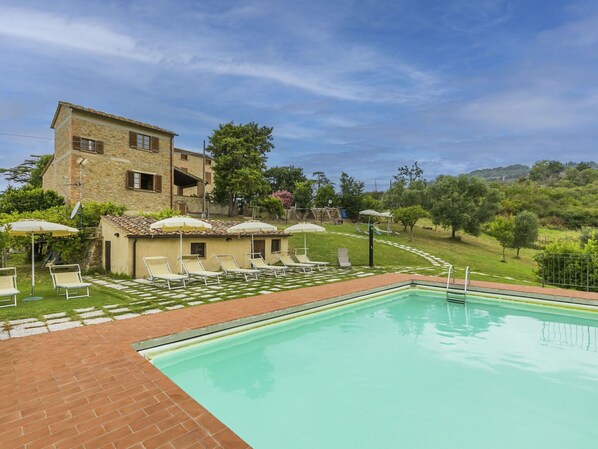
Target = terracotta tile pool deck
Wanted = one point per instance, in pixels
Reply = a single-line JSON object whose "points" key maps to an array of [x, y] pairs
{"points": [[88, 388]]}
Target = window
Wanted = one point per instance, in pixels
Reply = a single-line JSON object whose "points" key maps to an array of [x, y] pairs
{"points": [[198, 249], [144, 142], [184, 157], [88, 145], [143, 181], [275, 246]]}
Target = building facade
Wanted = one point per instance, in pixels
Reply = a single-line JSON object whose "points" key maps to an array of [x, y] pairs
{"points": [[128, 239], [103, 157]]}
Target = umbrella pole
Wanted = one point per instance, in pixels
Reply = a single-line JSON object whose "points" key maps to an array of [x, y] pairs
{"points": [[251, 245], [180, 251], [305, 243], [32, 297], [32, 265]]}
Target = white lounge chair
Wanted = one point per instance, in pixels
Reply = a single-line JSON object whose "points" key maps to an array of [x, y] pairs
{"points": [[384, 231], [343, 258], [259, 263], [194, 269], [288, 262], [303, 258], [230, 267], [8, 286], [159, 270], [68, 277]]}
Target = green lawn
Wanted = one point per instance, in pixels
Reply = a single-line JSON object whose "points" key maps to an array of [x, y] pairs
{"points": [[51, 302], [482, 254]]}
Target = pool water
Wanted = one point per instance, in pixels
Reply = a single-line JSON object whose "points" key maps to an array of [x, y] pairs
{"points": [[407, 370]]}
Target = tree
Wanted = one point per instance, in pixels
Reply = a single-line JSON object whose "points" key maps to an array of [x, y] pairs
{"points": [[325, 194], [321, 179], [29, 172], [546, 172], [462, 202], [409, 174], [284, 178], [409, 216], [240, 153], [392, 198], [28, 199], [416, 194], [525, 230], [351, 192], [502, 229], [286, 198], [304, 193]]}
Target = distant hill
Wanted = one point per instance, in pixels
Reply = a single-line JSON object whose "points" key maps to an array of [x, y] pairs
{"points": [[509, 173]]}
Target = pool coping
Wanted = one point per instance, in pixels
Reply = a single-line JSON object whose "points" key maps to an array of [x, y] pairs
{"points": [[88, 387]]}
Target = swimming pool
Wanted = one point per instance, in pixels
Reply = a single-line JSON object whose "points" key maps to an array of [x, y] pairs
{"points": [[405, 369]]}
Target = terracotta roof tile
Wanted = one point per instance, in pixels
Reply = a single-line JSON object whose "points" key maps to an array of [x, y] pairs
{"points": [[111, 116], [138, 226]]}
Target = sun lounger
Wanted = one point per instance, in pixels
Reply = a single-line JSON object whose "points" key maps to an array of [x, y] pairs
{"points": [[194, 269], [159, 270], [360, 230], [302, 258], [230, 267], [289, 263], [259, 263], [68, 277], [8, 286], [343, 258], [384, 231]]}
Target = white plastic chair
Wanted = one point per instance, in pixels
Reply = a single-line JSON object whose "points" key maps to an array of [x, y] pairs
{"points": [[195, 269], [68, 277], [8, 286], [259, 263], [230, 267], [159, 270]]}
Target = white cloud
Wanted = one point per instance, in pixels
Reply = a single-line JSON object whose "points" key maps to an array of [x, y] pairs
{"points": [[55, 30], [327, 72]]}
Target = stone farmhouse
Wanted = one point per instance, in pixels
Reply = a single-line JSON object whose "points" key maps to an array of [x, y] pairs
{"points": [[104, 157]]}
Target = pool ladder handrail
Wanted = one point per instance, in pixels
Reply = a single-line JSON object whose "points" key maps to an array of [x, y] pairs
{"points": [[454, 289]]}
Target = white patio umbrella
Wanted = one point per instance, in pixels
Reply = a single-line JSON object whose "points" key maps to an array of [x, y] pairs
{"points": [[180, 223], [304, 228], [369, 213], [251, 227], [387, 215], [25, 228]]}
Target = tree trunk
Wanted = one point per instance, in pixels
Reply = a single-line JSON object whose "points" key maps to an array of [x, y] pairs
{"points": [[518, 252], [411, 234], [503, 253], [231, 205], [453, 232]]}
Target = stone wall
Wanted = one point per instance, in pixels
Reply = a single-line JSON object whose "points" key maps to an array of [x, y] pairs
{"points": [[58, 176]]}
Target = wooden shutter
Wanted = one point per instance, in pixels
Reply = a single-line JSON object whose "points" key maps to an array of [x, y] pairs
{"points": [[76, 143], [155, 144], [130, 180], [132, 139], [208, 177], [157, 183], [99, 145]]}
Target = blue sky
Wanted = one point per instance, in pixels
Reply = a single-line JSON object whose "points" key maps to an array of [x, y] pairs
{"points": [[358, 86]]}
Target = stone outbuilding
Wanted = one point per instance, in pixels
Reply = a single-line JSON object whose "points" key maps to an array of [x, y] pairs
{"points": [[127, 239]]}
